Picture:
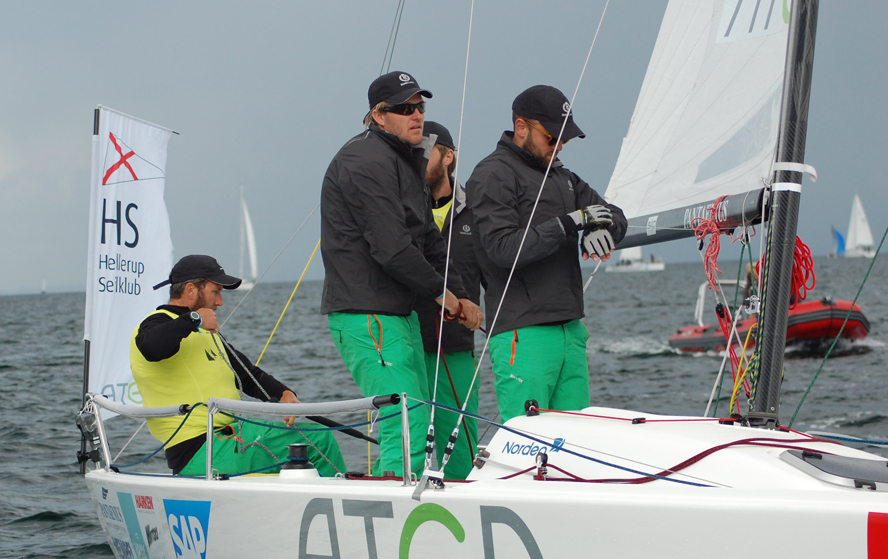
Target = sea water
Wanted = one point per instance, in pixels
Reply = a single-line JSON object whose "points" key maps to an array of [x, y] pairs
{"points": [[45, 510]]}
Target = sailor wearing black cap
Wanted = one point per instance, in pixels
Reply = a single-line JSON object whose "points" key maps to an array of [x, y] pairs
{"points": [[457, 363], [538, 344], [381, 251], [178, 357]]}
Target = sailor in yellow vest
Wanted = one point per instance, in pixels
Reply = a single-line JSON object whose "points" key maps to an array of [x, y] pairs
{"points": [[178, 357]]}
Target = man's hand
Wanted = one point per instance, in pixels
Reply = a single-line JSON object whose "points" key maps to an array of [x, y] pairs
{"points": [[208, 317], [289, 398], [598, 245], [591, 216], [471, 316]]}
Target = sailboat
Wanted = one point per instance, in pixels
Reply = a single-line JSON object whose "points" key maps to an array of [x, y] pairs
{"points": [[596, 482], [859, 242], [632, 260], [247, 247]]}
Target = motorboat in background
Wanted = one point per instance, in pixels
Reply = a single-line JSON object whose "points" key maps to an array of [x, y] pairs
{"points": [[632, 260], [812, 325]]}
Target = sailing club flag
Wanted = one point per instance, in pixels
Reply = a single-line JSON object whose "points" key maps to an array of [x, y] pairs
{"points": [[130, 249]]}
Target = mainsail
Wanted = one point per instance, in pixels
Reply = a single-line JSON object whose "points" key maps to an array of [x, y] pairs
{"points": [[706, 121]]}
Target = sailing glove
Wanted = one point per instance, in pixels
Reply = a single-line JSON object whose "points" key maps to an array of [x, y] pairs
{"points": [[598, 242], [587, 217]]}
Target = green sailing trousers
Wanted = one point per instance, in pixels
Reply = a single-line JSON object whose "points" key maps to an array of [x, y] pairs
{"points": [[384, 354], [249, 446], [543, 363], [461, 368]]}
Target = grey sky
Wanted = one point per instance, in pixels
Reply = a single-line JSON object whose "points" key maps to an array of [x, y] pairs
{"points": [[265, 93]]}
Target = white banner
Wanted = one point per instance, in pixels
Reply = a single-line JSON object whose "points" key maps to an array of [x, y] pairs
{"points": [[130, 249]]}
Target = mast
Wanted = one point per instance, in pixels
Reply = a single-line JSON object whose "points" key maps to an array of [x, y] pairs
{"points": [[783, 218]]}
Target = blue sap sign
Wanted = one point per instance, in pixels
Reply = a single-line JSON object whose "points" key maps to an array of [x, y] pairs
{"points": [[189, 523]]}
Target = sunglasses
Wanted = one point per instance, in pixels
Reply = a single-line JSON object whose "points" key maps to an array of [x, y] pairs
{"points": [[405, 109], [552, 139]]}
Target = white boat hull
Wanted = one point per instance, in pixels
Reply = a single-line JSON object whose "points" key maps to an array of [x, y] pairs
{"points": [[637, 267], [794, 514]]}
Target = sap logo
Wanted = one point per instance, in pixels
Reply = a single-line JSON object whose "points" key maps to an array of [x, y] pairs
{"points": [[111, 512], [144, 502], [189, 523], [104, 493], [123, 548], [151, 534]]}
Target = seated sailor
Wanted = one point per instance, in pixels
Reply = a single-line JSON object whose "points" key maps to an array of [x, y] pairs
{"points": [[179, 357]]}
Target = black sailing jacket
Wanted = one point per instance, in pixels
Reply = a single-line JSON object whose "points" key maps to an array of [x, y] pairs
{"points": [[456, 336], [380, 245], [547, 286]]}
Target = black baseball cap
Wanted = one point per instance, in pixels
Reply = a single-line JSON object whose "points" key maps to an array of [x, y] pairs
{"points": [[394, 88], [549, 106], [444, 138], [199, 266]]}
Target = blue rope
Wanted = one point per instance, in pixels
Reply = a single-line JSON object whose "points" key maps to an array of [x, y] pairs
{"points": [[161, 447], [567, 450]]}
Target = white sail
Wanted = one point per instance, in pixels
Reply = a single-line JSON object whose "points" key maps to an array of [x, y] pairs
{"points": [[859, 241], [248, 247], [706, 121]]}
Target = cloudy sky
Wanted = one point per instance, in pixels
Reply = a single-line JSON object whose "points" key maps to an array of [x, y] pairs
{"points": [[263, 94]]}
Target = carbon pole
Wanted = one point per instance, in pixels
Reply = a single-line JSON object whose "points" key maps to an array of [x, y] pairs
{"points": [[96, 114], [783, 216]]}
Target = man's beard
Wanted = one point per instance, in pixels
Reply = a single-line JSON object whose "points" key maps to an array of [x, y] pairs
{"points": [[435, 175], [202, 301], [532, 149]]}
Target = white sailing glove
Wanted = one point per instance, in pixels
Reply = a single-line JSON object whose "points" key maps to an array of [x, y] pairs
{"points": [[598, 242], [591, 216]]}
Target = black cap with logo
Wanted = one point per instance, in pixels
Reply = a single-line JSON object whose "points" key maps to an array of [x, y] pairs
{"points": [[430, 127], [549, 106], [394, 88], [199, 266]]}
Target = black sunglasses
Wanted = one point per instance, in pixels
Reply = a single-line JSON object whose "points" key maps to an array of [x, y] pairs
{"points": [[405, 109]]}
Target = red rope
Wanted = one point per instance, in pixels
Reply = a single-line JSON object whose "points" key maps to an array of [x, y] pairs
{"points": [[702, 228]]}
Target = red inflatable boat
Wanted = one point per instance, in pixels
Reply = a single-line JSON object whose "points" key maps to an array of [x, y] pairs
{"points": [[808, 322]]}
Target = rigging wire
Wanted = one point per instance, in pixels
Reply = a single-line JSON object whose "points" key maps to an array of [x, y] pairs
{"points": [[278, 323], [393, 37], [536, 203], [273, 262], [838, 335], [453, 209]]}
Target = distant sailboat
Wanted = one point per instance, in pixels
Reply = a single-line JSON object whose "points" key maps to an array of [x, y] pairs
{"points": [[859, 242], [632, 260], [247, 246], [839, 241]]}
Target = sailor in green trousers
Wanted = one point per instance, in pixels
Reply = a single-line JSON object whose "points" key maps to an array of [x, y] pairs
{"points": [[381, 252]]}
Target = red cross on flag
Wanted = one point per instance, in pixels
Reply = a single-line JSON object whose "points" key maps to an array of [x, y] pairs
{"points": [[130, 249]]}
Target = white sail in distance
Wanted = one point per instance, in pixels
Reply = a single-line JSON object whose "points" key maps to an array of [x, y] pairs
{"points": [[248, 244], [859, 241], [706, 121]]}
